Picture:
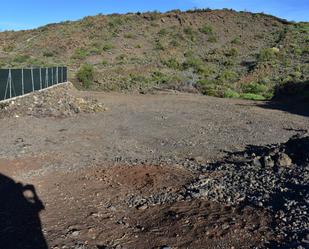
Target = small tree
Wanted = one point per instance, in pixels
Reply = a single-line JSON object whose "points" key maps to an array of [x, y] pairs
{"points": [[85, 75]]}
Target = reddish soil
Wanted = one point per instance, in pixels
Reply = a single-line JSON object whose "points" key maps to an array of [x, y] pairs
{"points": [[89, 207]]}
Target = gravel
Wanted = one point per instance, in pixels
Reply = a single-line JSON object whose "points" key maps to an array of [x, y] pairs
{"points": [[275, 177]]}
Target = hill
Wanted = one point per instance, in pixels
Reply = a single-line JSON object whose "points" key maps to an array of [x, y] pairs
{"points": [[215, 52]]}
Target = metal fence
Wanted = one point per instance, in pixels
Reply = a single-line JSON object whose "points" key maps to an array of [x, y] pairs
{"points": [[18, 82]]}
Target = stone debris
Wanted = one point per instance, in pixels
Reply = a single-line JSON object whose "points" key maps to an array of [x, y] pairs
{"points": [[275, 177], [55, 102]]}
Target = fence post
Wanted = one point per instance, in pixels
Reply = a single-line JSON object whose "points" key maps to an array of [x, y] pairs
{"points": [[40, 78], [52, 76], [32, 79], [22, 82], [10, 82], [46, 77], [57, 74]]}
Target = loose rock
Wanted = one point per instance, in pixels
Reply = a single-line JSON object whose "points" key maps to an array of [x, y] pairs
{"points": [[55, 102]]}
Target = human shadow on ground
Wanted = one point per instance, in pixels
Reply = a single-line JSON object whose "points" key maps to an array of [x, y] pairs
{"points": [[20, 225]]}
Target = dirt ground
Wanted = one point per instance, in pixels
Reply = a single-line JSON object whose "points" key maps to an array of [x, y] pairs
{"points": [[87, 168]]}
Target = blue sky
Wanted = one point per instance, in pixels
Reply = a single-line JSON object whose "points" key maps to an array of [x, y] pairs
{"points": [[21, 14]]}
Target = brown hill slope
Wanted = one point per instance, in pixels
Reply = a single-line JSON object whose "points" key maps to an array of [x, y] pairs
{"points": [[221, 53]]}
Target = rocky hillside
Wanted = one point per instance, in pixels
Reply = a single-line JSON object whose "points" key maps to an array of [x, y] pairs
{"points": [[216, 52]]}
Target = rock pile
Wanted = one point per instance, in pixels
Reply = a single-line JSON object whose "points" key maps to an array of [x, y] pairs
{"points": [[275, 177], [56, 102]]}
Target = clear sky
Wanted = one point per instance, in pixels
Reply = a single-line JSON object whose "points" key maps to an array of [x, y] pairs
{"points": [[26, 14]]}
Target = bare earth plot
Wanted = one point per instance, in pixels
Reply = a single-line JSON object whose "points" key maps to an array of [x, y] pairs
{"points": [[116, 179]]}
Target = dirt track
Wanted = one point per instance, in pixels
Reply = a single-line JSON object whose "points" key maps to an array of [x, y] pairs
{"points": [[82, 169]]}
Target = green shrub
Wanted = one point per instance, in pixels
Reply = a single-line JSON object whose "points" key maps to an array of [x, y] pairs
{"points": [[121, 58], [212, 39], [137, 79], [21, 58], [88, 22], [306, 49], [193, 62], [163, 32], [8, 48], [233, 52], [208, 87], [80, 53], [188, 54], [178, 11], [159, 46], [94, 50], [85, 75], [174, 43], [34, 62], [258, 89], [208, 30], [198, 65], [252, 96], [104, 62], [229, 93], [190, 33], [227, 76], [129, 36], [173, 63], [255, 88], [267, 54], [154, 15], [296, 74], [229, 62], [48, 54], [115, 21], [236, 41], [2, 64], [107, 47], [159, 77]]}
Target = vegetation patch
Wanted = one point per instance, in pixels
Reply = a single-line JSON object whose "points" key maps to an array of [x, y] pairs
{"points": [[21, 58], [268, 54], [145, 50], [208, 30], [80, 53], [212, 39], [252, 96], [85, 75], [229, 93], [256, 90], [173, 63]]}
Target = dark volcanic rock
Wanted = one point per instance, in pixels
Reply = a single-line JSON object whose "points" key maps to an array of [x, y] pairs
{"points": [[275, 177]]}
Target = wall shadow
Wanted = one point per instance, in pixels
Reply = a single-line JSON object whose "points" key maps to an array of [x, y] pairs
{"points": [[20, 224], [296, 106], [292, 97]]}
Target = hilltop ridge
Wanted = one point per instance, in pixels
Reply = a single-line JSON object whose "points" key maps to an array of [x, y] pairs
{"points": [[215, 52]]}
